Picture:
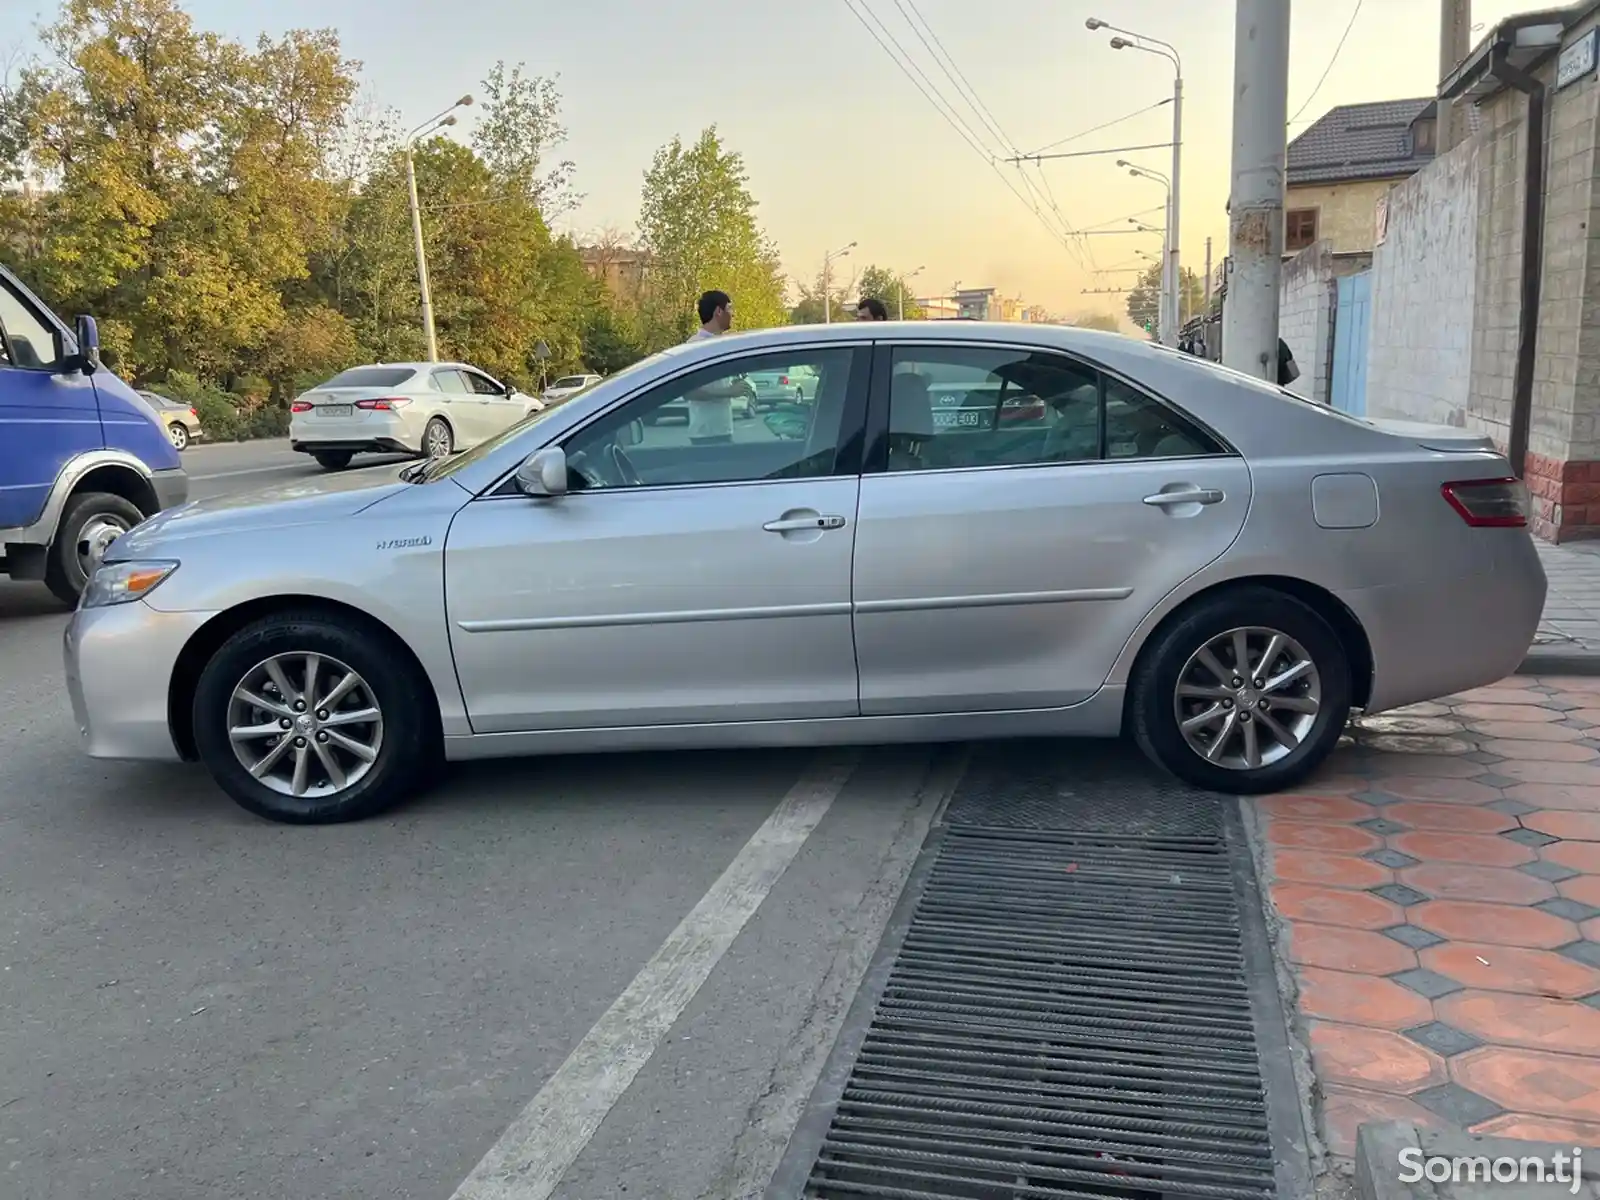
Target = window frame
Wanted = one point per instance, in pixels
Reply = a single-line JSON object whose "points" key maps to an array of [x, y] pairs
{"points": [[875, 459], [496, 390], [847, 458], [62, 346], [433, 382], [1289, 216]]}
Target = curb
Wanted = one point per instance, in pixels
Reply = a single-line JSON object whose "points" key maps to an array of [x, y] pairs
{"points": [[1552, 661], [1378, 1166]]}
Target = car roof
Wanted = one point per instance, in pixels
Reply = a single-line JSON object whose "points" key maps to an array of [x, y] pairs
{"points": [[414, 366]]}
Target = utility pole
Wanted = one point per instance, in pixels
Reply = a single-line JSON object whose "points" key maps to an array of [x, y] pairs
{"points": [[1255, 206], [1174, 264], [1455, 26], [1208, 274], [432, 125]]}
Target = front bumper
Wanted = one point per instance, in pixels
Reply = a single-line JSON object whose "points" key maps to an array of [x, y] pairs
{"points": [[171, 486], [119, 666]]}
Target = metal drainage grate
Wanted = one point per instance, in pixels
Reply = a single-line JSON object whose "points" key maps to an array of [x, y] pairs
{"points": [[1058, 1013]]}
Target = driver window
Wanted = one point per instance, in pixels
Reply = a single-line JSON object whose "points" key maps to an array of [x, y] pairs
{"points": [[25, 340], [481, 385], [772, 416]]}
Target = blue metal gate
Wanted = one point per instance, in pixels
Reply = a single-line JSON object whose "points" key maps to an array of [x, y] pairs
{"points": [[1350, 327]]}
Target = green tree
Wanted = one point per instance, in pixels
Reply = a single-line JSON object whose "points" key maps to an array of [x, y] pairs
{"points": [[1144, 301], [519, 127], [881, 283], [697, 221]]}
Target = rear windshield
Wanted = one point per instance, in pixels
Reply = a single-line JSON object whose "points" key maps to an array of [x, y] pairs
{"points": [[371, 377], [569, 381]]}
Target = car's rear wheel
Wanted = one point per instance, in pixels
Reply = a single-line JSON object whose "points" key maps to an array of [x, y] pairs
{"points": [[1246, 692], [437, 440], [333, 460], [311, 721], [89, 524], [179, 435]]}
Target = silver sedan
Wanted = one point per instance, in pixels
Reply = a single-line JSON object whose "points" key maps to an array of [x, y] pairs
{"points": [[969, 532]]}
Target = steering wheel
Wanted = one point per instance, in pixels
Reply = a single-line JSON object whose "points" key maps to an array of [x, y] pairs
{"points": [[623, 472]]}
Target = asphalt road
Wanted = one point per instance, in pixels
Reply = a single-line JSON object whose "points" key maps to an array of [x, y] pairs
{"points": [[195, 1004]]}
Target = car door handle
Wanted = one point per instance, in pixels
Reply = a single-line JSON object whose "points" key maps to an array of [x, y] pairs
{"points": [[1187, 496], [790, 524]]}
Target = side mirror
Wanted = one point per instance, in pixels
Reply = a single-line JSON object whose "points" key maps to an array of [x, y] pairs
{"points": [[543, 474], [87, 359], [631, 434]]}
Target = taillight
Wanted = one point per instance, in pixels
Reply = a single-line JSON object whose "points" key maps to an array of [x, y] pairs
{"points": [[1489, 503], [193, 413], [783, 381], [297, 406], [389, 405]]}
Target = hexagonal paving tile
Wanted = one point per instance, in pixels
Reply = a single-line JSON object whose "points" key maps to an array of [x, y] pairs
{"points": [[1534, 1022], [1587, 717], [1474, 849], [1568, 826], [1410, 724], [1512, 713], [1345, 1110], [1390, 858], [1329, 809], [1442, 791], [1587, 774], [1583, 888], [1557, 795], [1333, 839], [1580, 856], [1529, 731], [1442, 1039], [1530, 1128], [1331, 870], [1373, 1059], [1511, 969], [1497, 694], [1359, 950], [1455, 1103], [1532, 1081], [1417, 744], [1534, 751], [1452, 818], [1361, 1000], [1457, 881], [1334, 906], [1427, 766], [1499, 924], [1411, 935]]}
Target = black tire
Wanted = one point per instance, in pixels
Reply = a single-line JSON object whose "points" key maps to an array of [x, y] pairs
{"points": [[438, 431], [333, 460], [1151, 705], [178, 434], [64, 572], [407, 759]]}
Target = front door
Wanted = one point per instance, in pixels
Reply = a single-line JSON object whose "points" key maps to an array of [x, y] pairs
{"points": [[46, 417], [1027, 514], [677, 582]]}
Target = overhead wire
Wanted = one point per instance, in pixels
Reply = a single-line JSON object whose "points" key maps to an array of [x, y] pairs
{"points": [[1349, 25], [1138, 112]]}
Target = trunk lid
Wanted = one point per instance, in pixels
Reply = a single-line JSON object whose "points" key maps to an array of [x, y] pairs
{"points": [[1446, 439]]}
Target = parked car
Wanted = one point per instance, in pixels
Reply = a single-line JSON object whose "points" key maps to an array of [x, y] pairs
{"points": [[743, 404], [1178, 550], [771, 388], [181, 421], [568, 385], [427, 409], [82, 458]]}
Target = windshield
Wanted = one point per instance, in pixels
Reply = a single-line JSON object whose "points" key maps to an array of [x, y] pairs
{"points": [[570, 381], [362, 377]]}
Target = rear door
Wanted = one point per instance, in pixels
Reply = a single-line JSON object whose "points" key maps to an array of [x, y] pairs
{"points": [[47, 417], [1021, 514]]}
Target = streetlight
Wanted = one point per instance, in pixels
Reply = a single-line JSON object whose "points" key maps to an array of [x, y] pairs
{"points": [[1170, 268], [432, 125], [1169, 306], [905, 279], [827, 261]]}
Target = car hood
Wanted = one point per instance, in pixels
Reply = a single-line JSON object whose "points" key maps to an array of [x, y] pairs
{"points": [[1446, 438], [298, 503]]}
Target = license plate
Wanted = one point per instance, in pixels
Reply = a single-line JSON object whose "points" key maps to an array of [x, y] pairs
{"points": [[335, 410], [969, 419]]}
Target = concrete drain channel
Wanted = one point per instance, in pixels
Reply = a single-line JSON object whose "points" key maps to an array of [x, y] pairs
{"points": [[1075, 998]]}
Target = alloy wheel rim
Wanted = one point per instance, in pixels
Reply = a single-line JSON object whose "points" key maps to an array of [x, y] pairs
{"points": [[180, 438], [1247, 698], [438, 441], [305, 725], [95, 539]]}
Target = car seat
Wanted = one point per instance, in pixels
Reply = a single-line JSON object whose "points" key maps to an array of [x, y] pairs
{"points": [[910, 422]]}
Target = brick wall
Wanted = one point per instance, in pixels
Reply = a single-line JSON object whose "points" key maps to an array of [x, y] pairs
{"points": [[1420, 344], [1305, 315]]}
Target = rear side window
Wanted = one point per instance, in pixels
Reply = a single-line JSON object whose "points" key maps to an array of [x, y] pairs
{"points": [[364, 377], [450, 381], [571, 381], [953, 407]]}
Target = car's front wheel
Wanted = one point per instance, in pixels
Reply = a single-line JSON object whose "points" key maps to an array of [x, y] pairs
{"points": [[90, 522], [308, 720], [1246, 692]]}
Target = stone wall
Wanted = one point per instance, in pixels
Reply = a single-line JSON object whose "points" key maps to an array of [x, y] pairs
{"points": [[1305, 318], [1419, 356]]}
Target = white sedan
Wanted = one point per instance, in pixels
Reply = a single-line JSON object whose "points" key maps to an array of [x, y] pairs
{"points": [[425, 409], [568, 385]]}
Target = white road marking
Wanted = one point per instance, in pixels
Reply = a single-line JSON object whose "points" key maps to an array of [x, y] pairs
{"points": [[533, 1154]]}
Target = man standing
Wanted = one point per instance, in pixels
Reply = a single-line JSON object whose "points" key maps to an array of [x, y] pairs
{"points": [[711, 406], [869, 308]]}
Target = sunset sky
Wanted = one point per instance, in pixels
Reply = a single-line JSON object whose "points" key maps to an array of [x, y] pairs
{"points": [[840, 146]]}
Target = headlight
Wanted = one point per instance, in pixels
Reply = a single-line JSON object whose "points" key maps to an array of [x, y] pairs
{"points": [[120, 582]]}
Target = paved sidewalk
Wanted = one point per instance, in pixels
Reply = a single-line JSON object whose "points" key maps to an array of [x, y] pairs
{"points": [[1569, 635], [1439, 895]]}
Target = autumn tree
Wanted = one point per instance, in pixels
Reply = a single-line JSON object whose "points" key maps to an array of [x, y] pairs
{"points": [[1144, 301], [697, 221], [892, 288]]}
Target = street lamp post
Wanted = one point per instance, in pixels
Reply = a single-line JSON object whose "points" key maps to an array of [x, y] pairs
{"points": [[431, 125], [1169, 307], [905, 279], [827, 300], [1171, 269]]}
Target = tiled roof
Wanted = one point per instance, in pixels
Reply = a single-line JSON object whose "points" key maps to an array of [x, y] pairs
{"points": [[1363, 141]]}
